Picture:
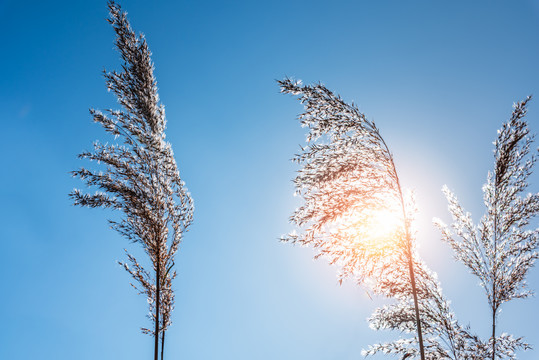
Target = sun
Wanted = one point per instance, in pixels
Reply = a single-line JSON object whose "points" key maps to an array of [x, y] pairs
{"points": [[375, 229], [384, 223]]}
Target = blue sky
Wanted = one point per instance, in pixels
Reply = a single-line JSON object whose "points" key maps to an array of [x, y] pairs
{"points": [[437, 77]]}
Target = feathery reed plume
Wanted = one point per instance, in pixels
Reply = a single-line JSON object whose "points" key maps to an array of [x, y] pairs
{"points": [[500, 250], [139, 177], [354, 212]]}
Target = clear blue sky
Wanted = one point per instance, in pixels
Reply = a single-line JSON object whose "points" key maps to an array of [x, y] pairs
{"points": [[438, 78]]}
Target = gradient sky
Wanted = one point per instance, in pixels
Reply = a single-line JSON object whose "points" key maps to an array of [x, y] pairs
{"points": [[438, 78]]}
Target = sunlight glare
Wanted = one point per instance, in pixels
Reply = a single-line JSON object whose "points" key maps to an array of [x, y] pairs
{"points": [[377, 229]]}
